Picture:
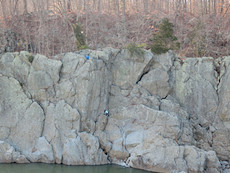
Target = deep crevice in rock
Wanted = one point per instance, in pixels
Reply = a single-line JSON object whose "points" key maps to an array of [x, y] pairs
{"points": [[142, 76], [146, 69]]}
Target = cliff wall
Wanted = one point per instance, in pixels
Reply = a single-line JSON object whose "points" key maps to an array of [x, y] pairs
{"points": [[166, 114]]}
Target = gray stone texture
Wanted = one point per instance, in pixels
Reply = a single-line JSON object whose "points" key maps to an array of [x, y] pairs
{"points": [[167, 114]]}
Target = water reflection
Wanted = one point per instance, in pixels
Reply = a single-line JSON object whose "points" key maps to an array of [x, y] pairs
{"points": [[53, 168]]}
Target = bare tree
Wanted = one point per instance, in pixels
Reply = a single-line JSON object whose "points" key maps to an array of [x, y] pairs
{"points": [[123, 20], [69, 8], [111, 22], [25, 6], [146, 5], [3, 5], [214, 6], [222, 7]]}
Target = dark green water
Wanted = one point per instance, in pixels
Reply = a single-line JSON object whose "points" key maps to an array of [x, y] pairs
{"points": [[53, 168]]}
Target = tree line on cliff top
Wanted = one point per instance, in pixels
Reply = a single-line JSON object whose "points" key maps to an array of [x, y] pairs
{"points": [[47, 26]]}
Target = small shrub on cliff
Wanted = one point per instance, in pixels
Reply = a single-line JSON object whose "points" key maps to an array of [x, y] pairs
{"points": [[79, 37], [164, 39], [30, 58], [135, 49]]}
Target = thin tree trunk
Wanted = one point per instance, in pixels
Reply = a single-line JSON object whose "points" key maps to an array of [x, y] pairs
{"points": [[138, 19], [87, 18], [146, 4], [201, 7], [191, 6], [109, 6], [123, 11], [185, 5], [16, 7], [35, 5], [25, 6], [214, 6], [167, 8], [79, 4], [209, 6], [3, 9], [85, 4], [69, 6], [123, 21], [47, 4], [222, 7], [99, 7]]}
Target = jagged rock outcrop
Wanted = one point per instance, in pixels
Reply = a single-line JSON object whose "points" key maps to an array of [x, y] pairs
{"points": [[166, 114], [19, 116], [9, 155], [200, 85]]}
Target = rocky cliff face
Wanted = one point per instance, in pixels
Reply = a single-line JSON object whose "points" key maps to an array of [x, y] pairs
{"points": [[166, 114]]}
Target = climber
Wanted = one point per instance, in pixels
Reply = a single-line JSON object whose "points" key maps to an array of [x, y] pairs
{"points": [[87, 57], [106, 113]]}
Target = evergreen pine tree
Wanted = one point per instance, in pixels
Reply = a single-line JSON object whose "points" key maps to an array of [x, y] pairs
{"points": [[80, 37], [165, 39]]}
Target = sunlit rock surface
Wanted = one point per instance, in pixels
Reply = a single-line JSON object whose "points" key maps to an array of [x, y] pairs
{"points": [[166, 114]]}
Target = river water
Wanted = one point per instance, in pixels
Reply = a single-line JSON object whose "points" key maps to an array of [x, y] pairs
{"points": [[54, 168]]}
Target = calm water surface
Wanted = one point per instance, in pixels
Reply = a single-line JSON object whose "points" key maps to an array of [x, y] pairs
{"points": [[53, 168]]}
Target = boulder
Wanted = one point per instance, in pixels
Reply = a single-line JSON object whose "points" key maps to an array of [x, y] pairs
{"points": [[19, 116], [83, 150], [8, 154], [42, 151], [194, 85], [73, 152], [142, 138], [51, 67], [40, 85], [16, 65], [156, 82], [223, 92], [44, 74], [62, 121], [126, 70]]}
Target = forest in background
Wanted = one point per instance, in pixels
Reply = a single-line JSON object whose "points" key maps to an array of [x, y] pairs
{"points": [[46, 26]]}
